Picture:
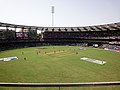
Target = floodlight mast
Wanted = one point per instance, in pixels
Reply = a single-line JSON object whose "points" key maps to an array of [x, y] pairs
{"points": [[53, 15]]}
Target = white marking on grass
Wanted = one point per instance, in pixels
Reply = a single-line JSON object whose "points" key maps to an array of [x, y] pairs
{"points": [[93, 60], [82, 48]]}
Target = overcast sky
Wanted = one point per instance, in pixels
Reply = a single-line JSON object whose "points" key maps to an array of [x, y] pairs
{"points": [[67, 12]]}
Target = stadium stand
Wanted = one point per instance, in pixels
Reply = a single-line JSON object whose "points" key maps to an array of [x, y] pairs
{"points": [[28, 36]]}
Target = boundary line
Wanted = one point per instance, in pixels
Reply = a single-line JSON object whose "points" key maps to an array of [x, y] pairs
{"points": [[59, 84]]}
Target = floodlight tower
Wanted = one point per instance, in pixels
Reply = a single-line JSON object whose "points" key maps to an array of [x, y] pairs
{"points": [[53, 15]]}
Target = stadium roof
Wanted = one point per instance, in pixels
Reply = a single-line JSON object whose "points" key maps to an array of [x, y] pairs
{"points": [[105, 27]]}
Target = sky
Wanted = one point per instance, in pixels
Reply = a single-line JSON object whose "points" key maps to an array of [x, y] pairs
{"points": [[68, 13]]}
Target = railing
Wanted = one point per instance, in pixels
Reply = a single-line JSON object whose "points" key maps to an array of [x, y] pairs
{"points": [[59, 85]]}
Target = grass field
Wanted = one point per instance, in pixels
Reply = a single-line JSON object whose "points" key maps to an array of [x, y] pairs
{"points": [[54, 64]]}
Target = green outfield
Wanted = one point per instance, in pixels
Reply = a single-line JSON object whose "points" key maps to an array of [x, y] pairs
{"points": [[54, 64]]}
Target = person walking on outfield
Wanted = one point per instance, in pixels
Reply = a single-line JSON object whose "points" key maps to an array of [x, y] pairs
{"points": [[25, 58]]}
